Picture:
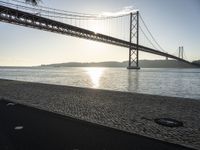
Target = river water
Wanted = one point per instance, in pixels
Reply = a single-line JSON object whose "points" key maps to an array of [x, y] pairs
{"points": [[166, 82]]}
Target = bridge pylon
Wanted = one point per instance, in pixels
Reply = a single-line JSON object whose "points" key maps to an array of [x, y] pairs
{"points": [[180, 52], [134, 38]]}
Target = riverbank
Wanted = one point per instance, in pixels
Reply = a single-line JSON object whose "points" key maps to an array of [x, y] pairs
{"points": [[131, 112]]}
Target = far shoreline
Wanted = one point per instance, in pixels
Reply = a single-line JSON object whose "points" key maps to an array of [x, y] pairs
{"points": [[116, 64]]}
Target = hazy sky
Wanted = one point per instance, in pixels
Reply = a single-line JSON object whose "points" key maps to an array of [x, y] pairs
{"points": [[173, 23]]}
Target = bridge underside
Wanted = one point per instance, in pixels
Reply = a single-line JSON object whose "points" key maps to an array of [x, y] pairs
{"points": [[17, 17]]}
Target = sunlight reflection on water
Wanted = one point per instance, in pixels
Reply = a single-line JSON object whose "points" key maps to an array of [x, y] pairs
{"points": [[167, 82], [95, 75]]}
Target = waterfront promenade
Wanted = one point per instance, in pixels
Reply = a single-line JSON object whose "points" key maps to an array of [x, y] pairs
{"points": [[131, 112]]}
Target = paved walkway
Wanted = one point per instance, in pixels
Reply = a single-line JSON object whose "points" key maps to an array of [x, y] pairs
{"points": [[126, 111]]}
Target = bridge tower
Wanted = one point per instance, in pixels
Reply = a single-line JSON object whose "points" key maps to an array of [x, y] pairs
{"points": [[134, 38], [180, 52]]}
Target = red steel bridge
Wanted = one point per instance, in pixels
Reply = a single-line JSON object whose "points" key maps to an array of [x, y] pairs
{"points": [[41, 18]]}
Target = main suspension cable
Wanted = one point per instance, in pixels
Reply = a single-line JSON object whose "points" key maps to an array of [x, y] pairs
{"points": [[151, 34], [62, 13], [148, 38]]}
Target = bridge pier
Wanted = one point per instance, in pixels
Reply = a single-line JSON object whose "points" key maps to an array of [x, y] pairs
{"points": [[134, 37]]}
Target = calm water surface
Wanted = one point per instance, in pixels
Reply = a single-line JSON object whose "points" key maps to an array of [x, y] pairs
{"points": [[168, 82]]}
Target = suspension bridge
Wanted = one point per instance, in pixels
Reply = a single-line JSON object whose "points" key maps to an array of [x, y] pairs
{"points": [[125, 32]]}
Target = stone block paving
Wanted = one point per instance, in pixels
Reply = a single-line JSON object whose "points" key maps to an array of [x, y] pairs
{"points": [[130, 112]]}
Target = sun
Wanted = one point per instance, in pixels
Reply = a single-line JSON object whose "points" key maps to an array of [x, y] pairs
{"points": [[97, 27]]}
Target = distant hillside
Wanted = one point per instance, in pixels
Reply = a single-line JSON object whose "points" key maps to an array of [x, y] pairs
{"points": [[197, 62], [143, 64], [92, 64], [164, 64]]}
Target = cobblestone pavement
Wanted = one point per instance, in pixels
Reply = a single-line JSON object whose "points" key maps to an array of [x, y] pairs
{"points": [[122, 110]]}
